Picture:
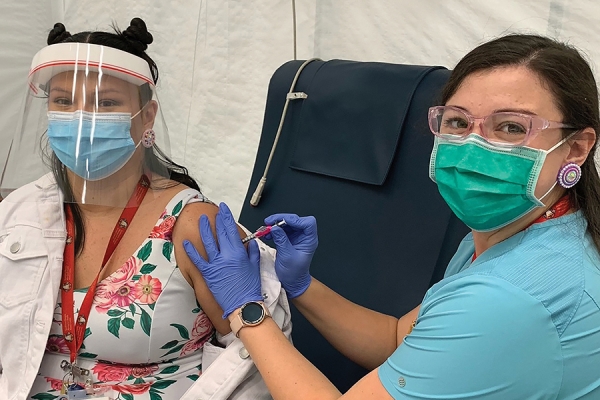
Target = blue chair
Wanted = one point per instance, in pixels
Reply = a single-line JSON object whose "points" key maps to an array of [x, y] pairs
{"points": [[353, 151]]}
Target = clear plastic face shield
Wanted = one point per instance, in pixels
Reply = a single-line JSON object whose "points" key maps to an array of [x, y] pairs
{"points": [[93, 120]]}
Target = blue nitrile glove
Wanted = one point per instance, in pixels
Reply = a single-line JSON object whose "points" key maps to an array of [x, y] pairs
{"points": [[231, 273], [296, 243]]}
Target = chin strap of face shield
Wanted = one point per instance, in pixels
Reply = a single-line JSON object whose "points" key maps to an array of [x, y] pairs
{"points": [[291, 95]]}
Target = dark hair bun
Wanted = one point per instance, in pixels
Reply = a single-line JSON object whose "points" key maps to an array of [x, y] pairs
{"points": [[58, 34], [138, 34]]}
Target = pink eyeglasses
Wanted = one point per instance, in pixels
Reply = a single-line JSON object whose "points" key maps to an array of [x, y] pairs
{"points": [[508, 129]]}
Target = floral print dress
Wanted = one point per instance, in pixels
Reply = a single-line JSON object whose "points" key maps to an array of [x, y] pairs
{"points": [[145, 331]]}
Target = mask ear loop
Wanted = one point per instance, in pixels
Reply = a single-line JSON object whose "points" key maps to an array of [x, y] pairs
{"points": [[140, 110], [563, 141], [548, 192], [149, 136], [556, 146]]}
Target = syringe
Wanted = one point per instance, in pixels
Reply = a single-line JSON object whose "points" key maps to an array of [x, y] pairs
{"points": [[262, 231]]}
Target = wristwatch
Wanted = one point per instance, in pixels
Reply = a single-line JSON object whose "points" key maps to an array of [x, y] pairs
{"points": [[251, 314]]}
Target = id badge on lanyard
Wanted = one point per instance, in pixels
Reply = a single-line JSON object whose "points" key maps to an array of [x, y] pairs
{"points": [[76, 392], [71, 390]]}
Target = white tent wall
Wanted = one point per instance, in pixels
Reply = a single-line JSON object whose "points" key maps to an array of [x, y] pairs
{"points": [[216, 57]]}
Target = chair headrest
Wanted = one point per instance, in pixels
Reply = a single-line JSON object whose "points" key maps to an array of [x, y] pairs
{"points": [[351, 122]]}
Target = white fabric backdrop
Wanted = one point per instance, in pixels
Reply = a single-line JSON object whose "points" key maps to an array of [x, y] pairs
{"points": [[216, 57]]}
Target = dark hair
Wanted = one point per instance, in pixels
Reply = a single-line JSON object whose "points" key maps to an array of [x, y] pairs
{"points": [[569, 78], [135, 40]]}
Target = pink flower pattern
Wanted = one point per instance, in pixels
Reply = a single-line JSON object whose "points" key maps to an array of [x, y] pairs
{"points": [[201, 333], [165, 229], [133, 389], [55, 384], [143, 371], [147, 289], [57, 344], [128, 295], [117, 289], [111, 372]]}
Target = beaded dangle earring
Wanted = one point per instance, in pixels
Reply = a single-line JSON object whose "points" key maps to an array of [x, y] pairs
{"points": [[148, 138], [569, 175]]}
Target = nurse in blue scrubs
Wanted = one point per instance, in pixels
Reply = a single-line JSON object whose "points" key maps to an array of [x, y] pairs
{"points": [[517, 314]]}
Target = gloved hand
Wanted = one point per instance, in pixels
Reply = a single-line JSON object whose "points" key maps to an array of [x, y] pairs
{"points": [[231, 273], [296, 243]]}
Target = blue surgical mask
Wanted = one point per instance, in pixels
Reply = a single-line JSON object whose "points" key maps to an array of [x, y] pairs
{"points": [[92, 145]]}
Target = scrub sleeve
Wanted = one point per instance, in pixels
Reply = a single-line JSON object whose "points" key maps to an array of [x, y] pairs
{"points": [[477, 337]]}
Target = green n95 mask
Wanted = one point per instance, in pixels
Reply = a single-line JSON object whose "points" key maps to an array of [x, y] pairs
{"points": [[487, 186]]}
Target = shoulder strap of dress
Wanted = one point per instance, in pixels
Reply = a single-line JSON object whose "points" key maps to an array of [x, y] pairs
{"points": [[184, 197]]}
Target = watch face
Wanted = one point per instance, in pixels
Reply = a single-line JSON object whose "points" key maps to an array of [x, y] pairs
{"points": [[252, 313]]}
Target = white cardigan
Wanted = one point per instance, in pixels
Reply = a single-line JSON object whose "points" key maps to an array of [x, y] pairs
{"points": [[32, 239]]}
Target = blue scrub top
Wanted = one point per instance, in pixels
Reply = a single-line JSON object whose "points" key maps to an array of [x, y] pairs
{"points": [[520, 322]]}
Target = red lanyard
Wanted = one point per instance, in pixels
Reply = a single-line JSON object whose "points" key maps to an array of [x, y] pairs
{"points": [[74, 333], [560, 208]]}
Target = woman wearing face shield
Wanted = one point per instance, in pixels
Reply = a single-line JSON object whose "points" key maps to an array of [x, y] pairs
{"points": [[517, 314], [97, 296]]}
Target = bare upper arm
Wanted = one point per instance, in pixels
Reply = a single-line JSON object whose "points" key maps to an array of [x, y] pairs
{"points": [[186, 228], [405, 324], [369, 387]]}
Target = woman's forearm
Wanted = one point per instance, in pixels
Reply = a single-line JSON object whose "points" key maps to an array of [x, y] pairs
{"points": [[287, 374], [366, 337]]}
